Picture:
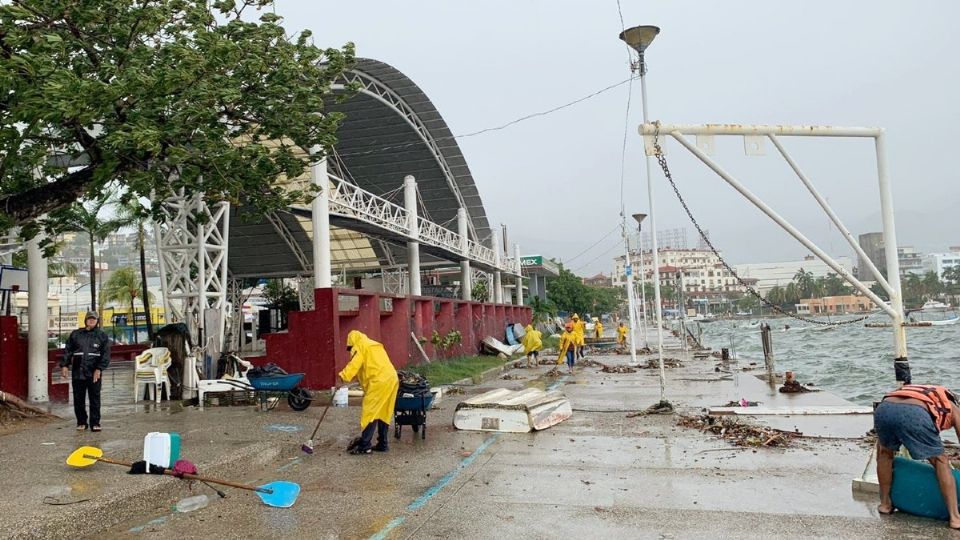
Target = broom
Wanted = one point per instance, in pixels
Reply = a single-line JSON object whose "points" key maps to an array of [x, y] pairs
{"points": [[308, 446]]}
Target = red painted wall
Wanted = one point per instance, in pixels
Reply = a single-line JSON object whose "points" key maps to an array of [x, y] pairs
{"points": [[316, 341]]}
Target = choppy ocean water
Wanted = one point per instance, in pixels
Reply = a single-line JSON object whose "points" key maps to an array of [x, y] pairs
{"points": [[851, 360]]}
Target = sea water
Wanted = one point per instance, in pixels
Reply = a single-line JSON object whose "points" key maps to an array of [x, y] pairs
{"points": [[851, 360]]}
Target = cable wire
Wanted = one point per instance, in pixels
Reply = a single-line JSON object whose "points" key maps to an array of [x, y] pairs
{"points": [[593, 245], [500, 127]]}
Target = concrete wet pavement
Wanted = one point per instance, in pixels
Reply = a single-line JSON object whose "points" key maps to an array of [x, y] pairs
{"points": [[598, 474]]}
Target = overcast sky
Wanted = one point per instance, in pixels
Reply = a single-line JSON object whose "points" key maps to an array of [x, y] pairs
{"points": [[555, 181]]}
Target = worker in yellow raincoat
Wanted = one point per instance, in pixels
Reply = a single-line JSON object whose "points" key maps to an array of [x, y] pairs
{"points": [[370, 364], [580, 331], [597, 328], [568, 347], [621, 335], [532, 343]]}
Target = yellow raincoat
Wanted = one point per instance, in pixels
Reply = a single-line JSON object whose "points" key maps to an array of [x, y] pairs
{"points": [[568, 341], [598, 329], [621, 334], [579, 331], [531, 340], [378, 378]]}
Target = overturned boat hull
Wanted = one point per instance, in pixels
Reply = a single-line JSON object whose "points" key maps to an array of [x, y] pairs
{"points": [[512, 411]]}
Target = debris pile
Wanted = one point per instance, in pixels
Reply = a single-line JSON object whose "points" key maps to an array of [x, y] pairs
{"points": [[510, 377], [654, 363], [730, 429], [644, 350], [555, 372], [716, 354], [617, 369], [589, 363]]}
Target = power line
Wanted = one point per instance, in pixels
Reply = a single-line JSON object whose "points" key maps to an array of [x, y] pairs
{"points": [[593, 245], [500, 127], [626, 120], [616, 245]]}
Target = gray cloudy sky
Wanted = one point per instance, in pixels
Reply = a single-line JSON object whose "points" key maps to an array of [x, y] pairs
{"points": [[555, 181]]}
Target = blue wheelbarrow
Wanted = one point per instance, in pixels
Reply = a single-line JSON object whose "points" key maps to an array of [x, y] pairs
{"points": [[278, 386], [412, 411]]}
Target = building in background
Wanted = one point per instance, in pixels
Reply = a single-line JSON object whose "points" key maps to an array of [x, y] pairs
{"points": [[911, 260], [872, 245], [598, 280], [780, 274], [940, 262], [835, 305], [693, 270]]}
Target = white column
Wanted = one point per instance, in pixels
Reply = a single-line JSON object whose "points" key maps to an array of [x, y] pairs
{"points": [[466, 285], [516, 252], [497, 280], [653, 244], [322, 278], [413, 224], [643, 294], [893, 260], [631, 297], [38, 321]]}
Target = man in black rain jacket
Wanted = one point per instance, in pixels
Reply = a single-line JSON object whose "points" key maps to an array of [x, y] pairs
{"points": [[87, 355]]}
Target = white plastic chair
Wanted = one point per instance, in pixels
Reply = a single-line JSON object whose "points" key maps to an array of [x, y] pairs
{"points": [[151, 369]]}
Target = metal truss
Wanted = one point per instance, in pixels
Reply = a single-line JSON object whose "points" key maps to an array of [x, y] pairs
{"points": [[372, 87], [192, 242], [288, 238], [349, 200]]}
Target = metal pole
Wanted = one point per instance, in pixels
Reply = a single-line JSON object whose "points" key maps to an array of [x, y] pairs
{"points": [[413, 223], [497, 261], [38, 321], [631, 298], [320, 213], [900, 363], [653, 236], [466, 287], [831, 214], [841, 271], [516, 251], [643, 290]]}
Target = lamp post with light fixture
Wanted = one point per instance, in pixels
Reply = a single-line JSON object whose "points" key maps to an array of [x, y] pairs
{"points": [[639, 39]]}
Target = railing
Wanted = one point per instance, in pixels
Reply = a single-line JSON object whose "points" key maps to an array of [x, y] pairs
{"points": [[349, 200]]}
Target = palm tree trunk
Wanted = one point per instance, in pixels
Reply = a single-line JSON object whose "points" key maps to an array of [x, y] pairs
{"points": [[143, 280], [93, 275], [133, 317]]}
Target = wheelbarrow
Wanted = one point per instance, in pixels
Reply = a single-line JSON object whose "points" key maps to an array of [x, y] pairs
{"points": [[278, 386], [412, 411]]}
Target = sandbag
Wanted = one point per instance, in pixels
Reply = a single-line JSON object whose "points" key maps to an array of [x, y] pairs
{"points": [[915, 489]]}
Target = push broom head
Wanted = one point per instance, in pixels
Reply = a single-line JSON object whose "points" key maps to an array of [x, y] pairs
{"points": [[307, 447]]}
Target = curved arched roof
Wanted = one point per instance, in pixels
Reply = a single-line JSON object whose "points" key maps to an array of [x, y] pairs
{"points": [[390, 130]]}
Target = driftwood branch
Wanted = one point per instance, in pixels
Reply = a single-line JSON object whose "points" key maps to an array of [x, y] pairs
{"points": [[17, 403]]}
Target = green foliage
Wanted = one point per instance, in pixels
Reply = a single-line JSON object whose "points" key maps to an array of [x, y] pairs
{"points": [[543, 311], [281, 296], [123, 287], [448, 371], [747, 302], [443, 343], [567, 292], [480, 292], [159, 97]]}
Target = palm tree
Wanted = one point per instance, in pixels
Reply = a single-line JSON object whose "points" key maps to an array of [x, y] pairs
{"points": [[85, 217], [123, 287], [133, 213], [804, 283]]}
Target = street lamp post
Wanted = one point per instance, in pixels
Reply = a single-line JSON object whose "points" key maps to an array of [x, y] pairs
{"points": [[631, 297], [643, 278], [639, 38]]}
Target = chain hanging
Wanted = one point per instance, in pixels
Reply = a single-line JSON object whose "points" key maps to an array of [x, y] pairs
{"points": [[662, 160]]}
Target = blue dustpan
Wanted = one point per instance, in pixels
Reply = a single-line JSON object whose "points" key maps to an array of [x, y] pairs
{"points": [[279, 494]]}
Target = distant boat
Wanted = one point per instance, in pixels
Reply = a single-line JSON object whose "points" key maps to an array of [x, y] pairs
{"points": [[918, 324], [932, 305]]}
